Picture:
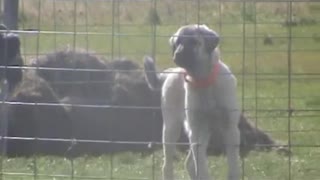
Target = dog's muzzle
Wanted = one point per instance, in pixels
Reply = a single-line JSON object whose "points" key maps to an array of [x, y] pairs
{"points": [[183, 57]]}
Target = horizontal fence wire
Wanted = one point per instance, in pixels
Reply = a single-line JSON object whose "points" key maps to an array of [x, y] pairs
{"points": [[238, 1]]}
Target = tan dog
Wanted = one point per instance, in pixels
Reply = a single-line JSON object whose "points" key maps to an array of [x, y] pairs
{"points": [[201, 87]]}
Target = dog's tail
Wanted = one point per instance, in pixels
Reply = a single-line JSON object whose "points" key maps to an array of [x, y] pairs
{"points": [[153, 79]]}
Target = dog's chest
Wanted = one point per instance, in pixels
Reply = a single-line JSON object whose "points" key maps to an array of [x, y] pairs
{"points": [[202, 100], [203, 106]]}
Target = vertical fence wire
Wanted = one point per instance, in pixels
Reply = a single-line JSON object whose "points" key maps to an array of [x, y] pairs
{"points": [[1, 5], [35, 141], [154, 31], [74, 16], [23, 26], [54, 14], [197, 145], [3, 109], [220, 4], [256, 87], [118, 26], [112, 57], [243, 72], [2, 124], [290, 110], [153, 54], [86, 25], [73, 74]]}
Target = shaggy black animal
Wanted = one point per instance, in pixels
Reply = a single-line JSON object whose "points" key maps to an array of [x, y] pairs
{"points": [[46, 119], [76, 74], [10, 59], [107, 97]]}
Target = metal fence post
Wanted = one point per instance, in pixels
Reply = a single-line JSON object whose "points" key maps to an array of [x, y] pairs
{"points": [[10, 13], [3, 117]]}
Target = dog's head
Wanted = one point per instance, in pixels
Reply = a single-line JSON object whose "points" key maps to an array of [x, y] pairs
{"points": [[193, 48]]}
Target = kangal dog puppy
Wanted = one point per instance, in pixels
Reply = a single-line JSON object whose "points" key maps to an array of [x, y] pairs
{"points": [[201, 94]]}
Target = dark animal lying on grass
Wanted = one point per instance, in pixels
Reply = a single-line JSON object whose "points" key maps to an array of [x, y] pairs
{"points": [[90, 115], [106, 83], [106, 105], [28, 118]]}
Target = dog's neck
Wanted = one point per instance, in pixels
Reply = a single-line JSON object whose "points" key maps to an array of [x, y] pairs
{"points": [[204, 82], [210, 78]]}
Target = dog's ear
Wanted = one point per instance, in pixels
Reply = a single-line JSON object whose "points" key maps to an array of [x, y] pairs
{"points": [[172, 42], [211, 37], [10, 45]]}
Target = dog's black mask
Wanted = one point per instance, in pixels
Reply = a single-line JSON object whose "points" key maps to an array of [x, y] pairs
{"points": [[192, 41]]}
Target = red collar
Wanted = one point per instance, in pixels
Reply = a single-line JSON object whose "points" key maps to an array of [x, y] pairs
{"points": [[206, 82]]}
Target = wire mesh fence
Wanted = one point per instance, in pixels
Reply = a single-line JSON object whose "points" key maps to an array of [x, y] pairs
{"points": [[82, 109]]}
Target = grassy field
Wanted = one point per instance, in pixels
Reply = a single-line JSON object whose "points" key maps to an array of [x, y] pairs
{"points": [[262, 71]]}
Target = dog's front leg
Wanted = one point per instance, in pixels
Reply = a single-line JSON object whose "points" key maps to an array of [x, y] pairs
{"points": [[173, 113], [230, 117], [232, 140], [199, 135], [171, 133], [173, 116]]}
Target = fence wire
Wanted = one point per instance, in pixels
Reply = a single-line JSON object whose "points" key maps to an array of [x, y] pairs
{"points": [[272, 46]]}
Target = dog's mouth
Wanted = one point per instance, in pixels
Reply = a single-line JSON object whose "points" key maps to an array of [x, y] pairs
{"points": [[185, 63]]}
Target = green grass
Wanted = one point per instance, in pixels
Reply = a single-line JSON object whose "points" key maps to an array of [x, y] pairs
{"points": [[262, 73]]}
